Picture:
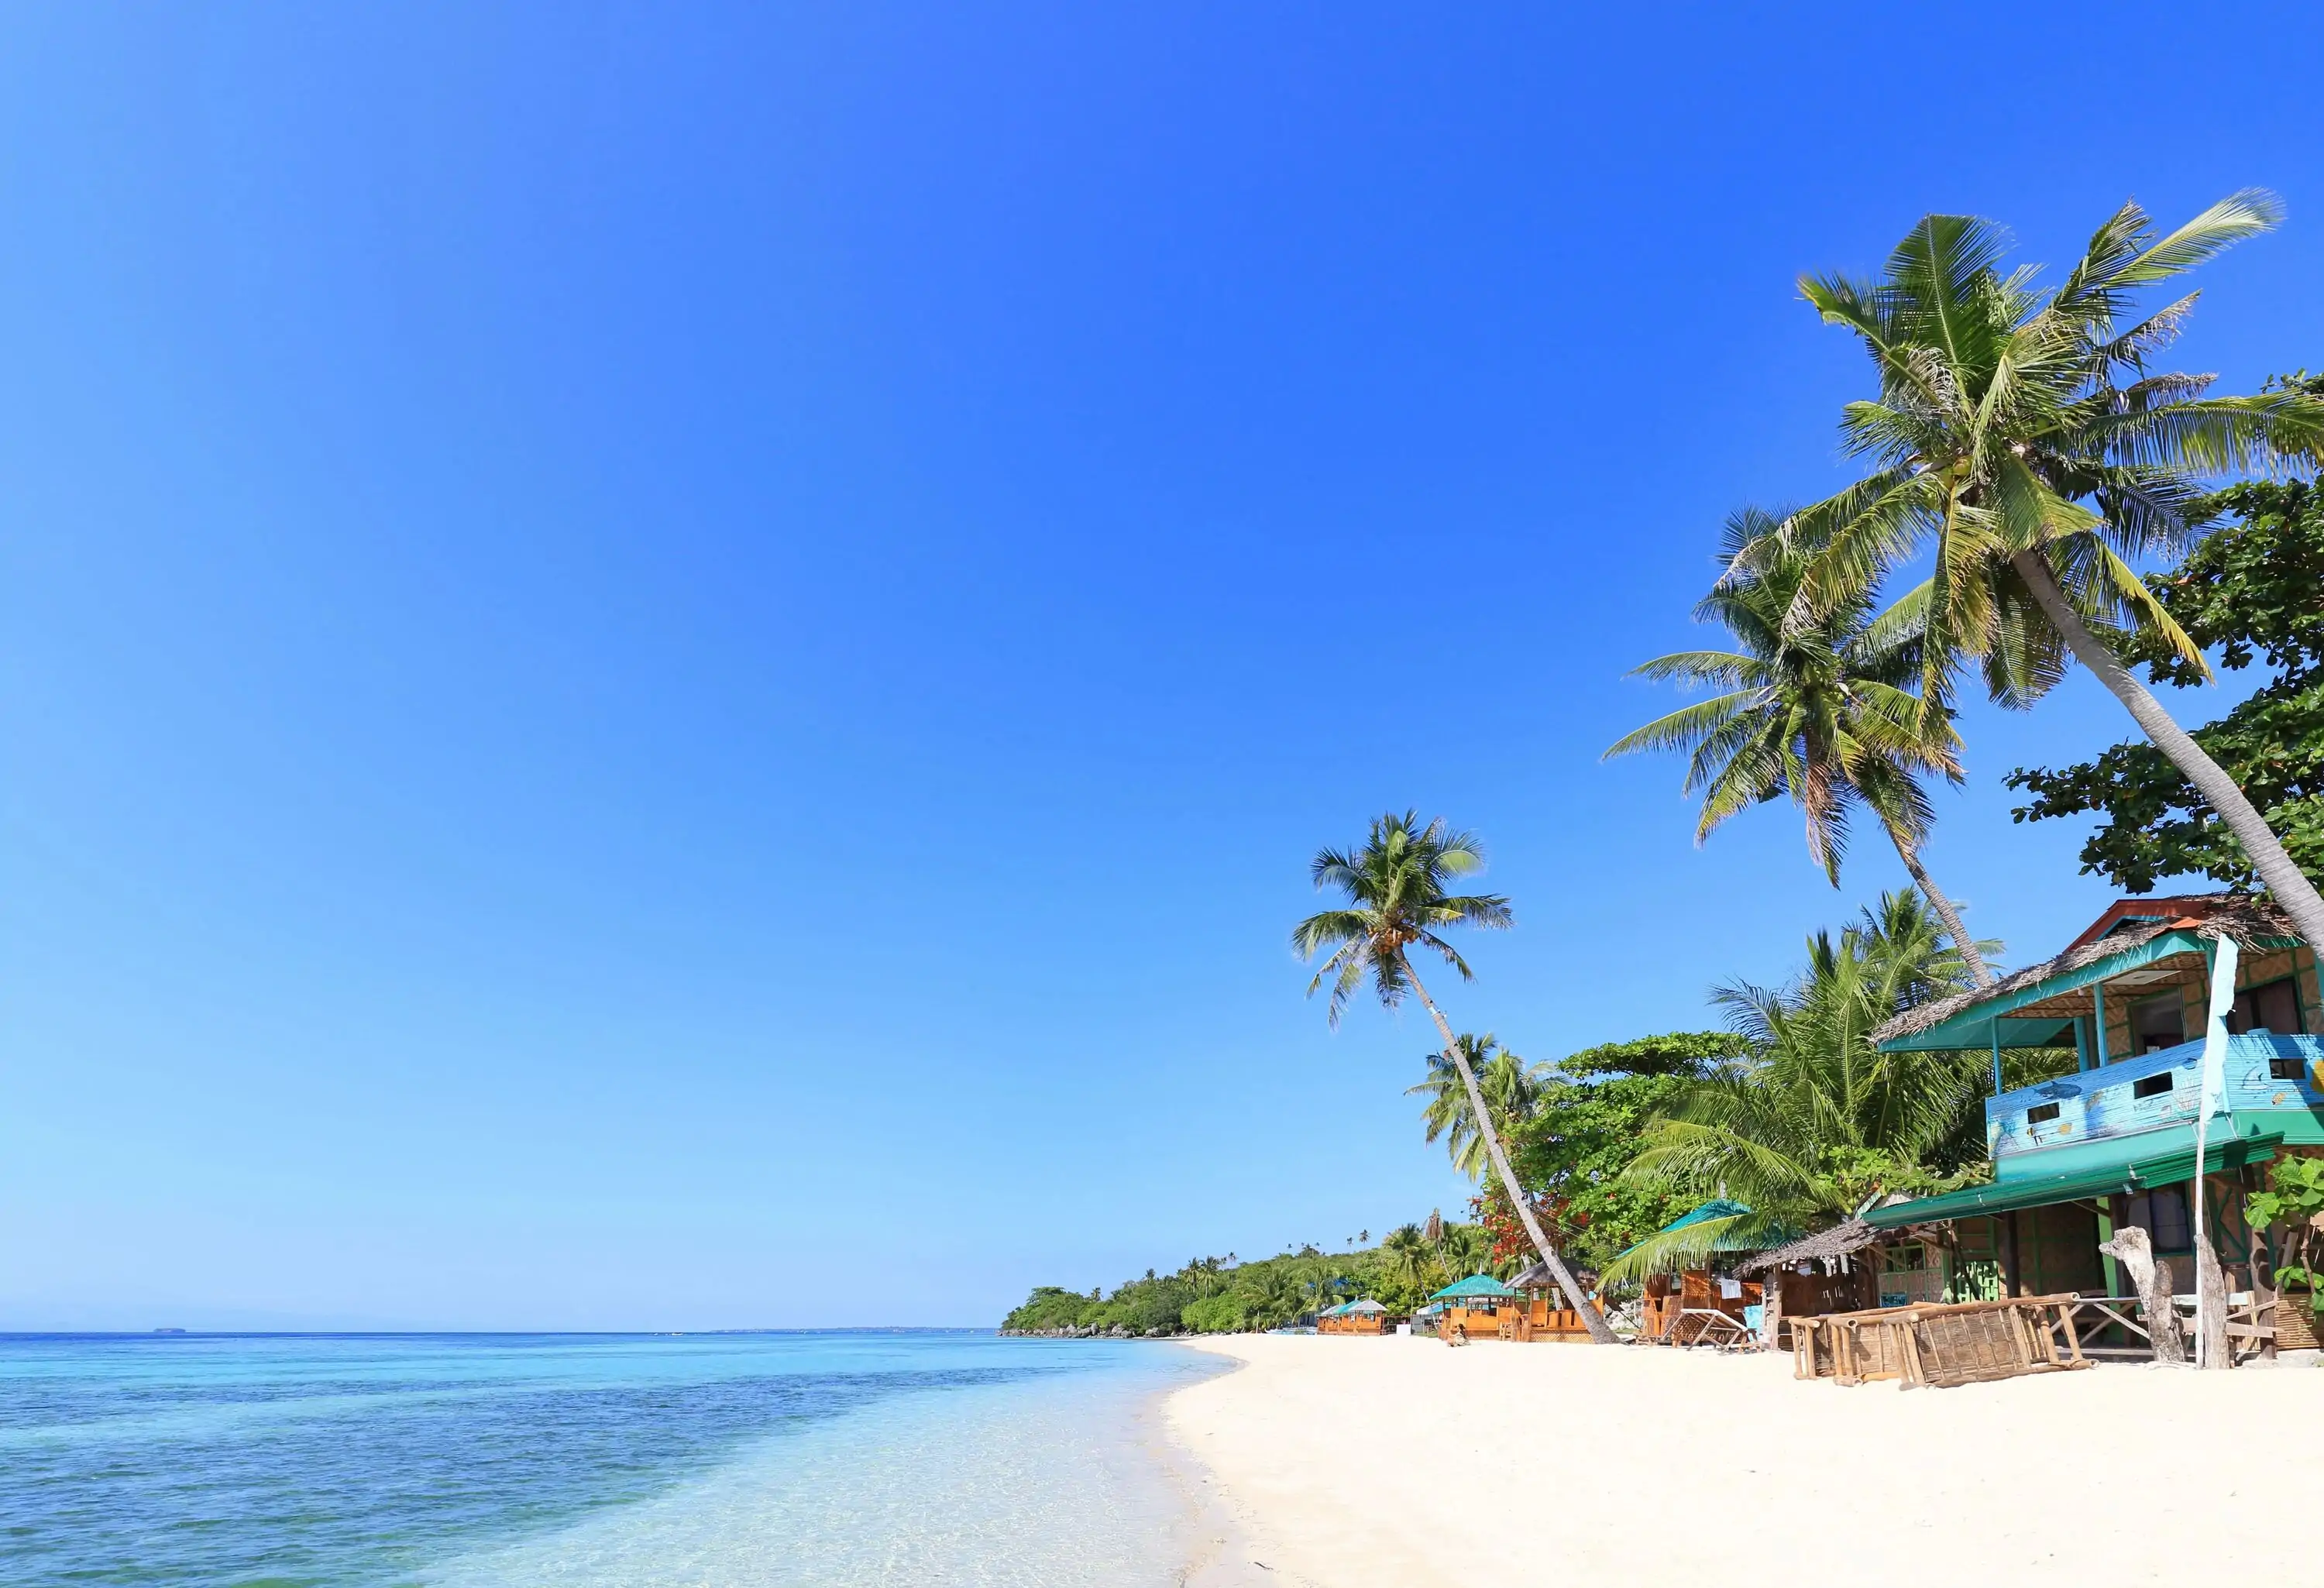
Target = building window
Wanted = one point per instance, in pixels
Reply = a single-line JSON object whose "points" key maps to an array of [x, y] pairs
{"points": [[2287, 1069], [2154, 1086], [2042, 1113], [2271, 1007], [2162, 1214], [2158, 1023]]}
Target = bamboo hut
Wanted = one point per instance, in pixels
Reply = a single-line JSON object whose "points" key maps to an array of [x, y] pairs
{"points": [[1366, 1316], [1544, 1314], [1694, 1304], [1473, 1308], [1833, 1270]]}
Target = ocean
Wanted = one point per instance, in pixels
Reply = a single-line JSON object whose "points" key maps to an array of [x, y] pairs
{"points": [[499, 1460]]}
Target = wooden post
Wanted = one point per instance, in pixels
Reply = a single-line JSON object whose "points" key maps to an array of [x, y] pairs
{"points": [[2211, 1285], [2011, 1275], [2132, 1248]]}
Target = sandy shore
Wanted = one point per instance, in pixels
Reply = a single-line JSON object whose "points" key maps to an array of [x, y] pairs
{"points": [[1347, 1463]]}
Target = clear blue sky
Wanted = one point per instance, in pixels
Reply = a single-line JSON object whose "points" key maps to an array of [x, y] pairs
{"points": [[674, 665]]}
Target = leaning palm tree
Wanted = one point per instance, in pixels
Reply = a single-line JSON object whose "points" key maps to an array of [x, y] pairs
{"points": [[2021, 440], [1510, 1087], [1818, 710], [1397, 885], [1817, 1121]]}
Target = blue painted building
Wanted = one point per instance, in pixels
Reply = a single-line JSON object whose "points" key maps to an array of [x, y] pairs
{"points": [[2108, 1137]]}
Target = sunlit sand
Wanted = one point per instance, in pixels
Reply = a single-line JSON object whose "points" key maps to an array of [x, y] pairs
{"points": [[1351, 1462]]}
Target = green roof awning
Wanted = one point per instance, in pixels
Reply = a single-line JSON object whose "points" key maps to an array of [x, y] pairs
{"points": [[2169, 1169], [1475, 1288]]}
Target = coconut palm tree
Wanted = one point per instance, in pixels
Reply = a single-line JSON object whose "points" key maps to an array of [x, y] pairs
{"points": [[2021, 441], [1397, 886], [1817, 1121], [1818, 710], [1510, 1088]]}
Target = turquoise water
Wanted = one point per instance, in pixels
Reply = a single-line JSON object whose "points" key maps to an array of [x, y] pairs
{"points": [[496, 1460]]}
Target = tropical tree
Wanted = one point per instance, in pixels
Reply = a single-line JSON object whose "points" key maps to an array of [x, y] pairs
{"points": [[1817, 708], [1407, 1256], [2021, 440], [1396, 887], [1468, 1250], [1587, 1127], [1508, 1085], [2248, 589], [1816, 1122]]}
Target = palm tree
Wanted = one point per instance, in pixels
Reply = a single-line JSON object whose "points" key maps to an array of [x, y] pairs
{"points": [[2020, 439], [1817, 1121], [1405, 1254], [1510, 1089], [1395, 886], [1468, 1250], [1818, 710]]}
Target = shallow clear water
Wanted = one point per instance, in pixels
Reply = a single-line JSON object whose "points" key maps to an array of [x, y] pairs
{"points": [[484, 1461]]}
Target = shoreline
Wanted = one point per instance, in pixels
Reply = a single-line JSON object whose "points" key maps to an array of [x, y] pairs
{"points": [[1347, 1462]]}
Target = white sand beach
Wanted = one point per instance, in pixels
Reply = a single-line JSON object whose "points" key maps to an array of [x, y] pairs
{"points": [[1350, 1462]]}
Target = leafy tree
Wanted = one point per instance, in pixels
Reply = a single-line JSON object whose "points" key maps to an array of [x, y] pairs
{"points": [[1506, 1083], [1590, 1123], [2021, 440], [2250, 591], [1814, 1121], [1396, 885], [1818, 709]]}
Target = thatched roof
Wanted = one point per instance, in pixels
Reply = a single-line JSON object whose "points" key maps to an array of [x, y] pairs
{"points": [[1840, 1241], [2240, 916], [1539, 1278]]}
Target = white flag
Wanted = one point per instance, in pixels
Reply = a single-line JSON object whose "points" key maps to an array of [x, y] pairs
{"points": [[2213, 1099]]}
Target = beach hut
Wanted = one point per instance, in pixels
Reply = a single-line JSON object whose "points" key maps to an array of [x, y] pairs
{"points": [[1836, 1271], [1695, 1304], [1543, 1315], [1366, 1316], [1472, 1308], [2194, 1026]]}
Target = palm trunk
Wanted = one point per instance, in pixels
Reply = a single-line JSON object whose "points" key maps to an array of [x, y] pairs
{"points": [[1945, 910], [1600, 1331], [2290, 886]]}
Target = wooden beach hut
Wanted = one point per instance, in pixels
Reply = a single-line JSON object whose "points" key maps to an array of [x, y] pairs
{"points": [[1473, 1306], [1696, 1303], [1366, 1316], [1543, 1315]]}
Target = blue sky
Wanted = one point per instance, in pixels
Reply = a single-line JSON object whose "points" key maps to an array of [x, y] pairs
{"points": [[675, 665]]}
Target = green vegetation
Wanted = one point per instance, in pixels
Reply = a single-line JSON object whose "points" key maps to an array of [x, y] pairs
{"points": [[1813, 1122], [2295, 1200], [1590, 1112], [1218, 1296], [2249, 591]]}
